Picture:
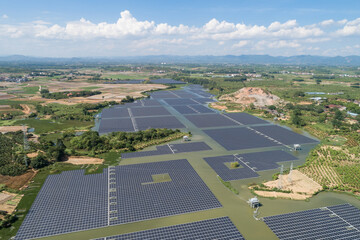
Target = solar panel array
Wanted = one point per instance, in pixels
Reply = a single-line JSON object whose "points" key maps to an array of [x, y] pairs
{"points": [[72, 201], [218, 228], [226, 173], [67, 202], [166, 81], [169, 149], [250, 163], [186, 192], [335, 222], [239, 138]]}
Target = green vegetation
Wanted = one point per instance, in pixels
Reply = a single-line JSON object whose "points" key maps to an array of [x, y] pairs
{"points": [[67, 94], [229, 186]]}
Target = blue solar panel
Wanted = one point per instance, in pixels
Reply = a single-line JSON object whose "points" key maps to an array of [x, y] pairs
{"points": [[218, 228], [169, 149], [166, 81], [221, 166], [67, 202], [336, 222], [186, 192], [72, 201]]}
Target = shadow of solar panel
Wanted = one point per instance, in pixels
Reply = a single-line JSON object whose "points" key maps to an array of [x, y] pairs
{"points": [[186, 192], [246, 119], [116, 125], [239, 138], [189, 147], [321, 223], [67, 202], [226, 173], [179, 101], [166, 81], [261, 161], [218, 228], [210, 120], [114, 113], [158, 122], [284, 135], [149, 111]]}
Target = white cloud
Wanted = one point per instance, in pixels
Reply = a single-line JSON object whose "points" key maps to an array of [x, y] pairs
{"points": [[350, 28], [4, 16], [327, 22], [215, 36], [240, 44]]}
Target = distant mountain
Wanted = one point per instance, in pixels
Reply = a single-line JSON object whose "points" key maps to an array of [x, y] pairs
{"points": [[227, 59]]}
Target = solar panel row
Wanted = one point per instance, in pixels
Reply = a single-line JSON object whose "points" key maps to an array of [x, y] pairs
{"points": [[72, 201], [218, 228], [336, 222], [169, 149]]}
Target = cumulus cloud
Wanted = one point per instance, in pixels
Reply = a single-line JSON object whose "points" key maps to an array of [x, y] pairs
{"points": [[214, 35], [327, 22], [350, 28]]}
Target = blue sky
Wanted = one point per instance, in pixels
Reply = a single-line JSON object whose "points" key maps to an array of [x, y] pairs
{"points": [[130, 28]]}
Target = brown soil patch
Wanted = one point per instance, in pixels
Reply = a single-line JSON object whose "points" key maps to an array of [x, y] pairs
{"points": [[218, 107], [5, 129], [300, 185], [252, 95], [26, 109], [17, 182], [5, 106], [293, 196], [9, 201], [6, 96], [32, 155], [304, 103], [84, 160]]}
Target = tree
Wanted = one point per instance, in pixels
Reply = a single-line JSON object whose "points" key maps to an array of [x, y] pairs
{"points": [[272, 107], [299, 94], [318, 81], [39, 162], [338, 115]]}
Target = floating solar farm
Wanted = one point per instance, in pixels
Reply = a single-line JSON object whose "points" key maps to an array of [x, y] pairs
{"points": [[249, 163], [72, 201], [218, 228], [335, 222], [152, 189]]}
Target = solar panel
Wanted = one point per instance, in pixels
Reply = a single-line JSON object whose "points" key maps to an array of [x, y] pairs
{"points": [[149, 111], [210, 120], [166, 81], [169, 149], [335, 222], [116, 125], [158, 122], [180, 101], [115, 112], [284, 135], [222, 166], [217, 228], [246, 119], [186, 192], [67, 202], [239, 138]]}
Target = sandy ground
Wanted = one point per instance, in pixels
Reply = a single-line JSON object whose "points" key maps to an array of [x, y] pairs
{"points": [[299, 184], [252, 95], [32, 155], [217, 106], [5, 129], [84, 160], [294, 196], [17, 182], [13, 198]]}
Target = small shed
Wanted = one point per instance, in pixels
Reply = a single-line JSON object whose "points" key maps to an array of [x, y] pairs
{"points": [[254, 202]]}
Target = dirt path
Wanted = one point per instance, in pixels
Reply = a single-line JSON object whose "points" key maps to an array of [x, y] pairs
{"points": [[84, 160], [26, 109]]}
